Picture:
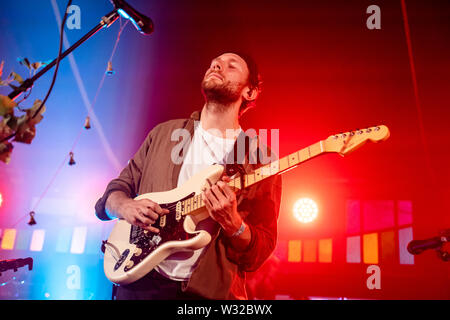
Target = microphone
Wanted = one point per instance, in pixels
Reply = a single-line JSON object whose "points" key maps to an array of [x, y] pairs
{"points": [[418, 246], [142, 23]]}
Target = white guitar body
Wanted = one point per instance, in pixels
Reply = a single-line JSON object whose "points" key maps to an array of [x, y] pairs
{"points": [[130, 252], [119, 245]]}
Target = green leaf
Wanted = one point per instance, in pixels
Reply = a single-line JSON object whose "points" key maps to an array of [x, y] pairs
{"points": [[25, 62], [37, 65], [6, 105], [16, 77]]}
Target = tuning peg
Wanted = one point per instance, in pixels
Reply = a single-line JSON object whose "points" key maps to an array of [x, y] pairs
{"points": [[32, 221], [109, 69], [87, 123], [71, 161]]}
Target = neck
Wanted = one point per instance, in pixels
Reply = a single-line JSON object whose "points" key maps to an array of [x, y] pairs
{"points": [[220, 117]]}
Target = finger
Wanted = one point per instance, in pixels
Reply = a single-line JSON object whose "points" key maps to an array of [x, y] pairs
{"points": [[157, 209], [208, 206], [154, 206], [219, 195], [149, 228], [146, 202], [229, 194], [212, 199], [148, 212], [206, 201], [144, 219]]}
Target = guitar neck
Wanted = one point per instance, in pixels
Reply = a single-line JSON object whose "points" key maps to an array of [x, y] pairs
{"points": [[276, 167], [279, 166]]}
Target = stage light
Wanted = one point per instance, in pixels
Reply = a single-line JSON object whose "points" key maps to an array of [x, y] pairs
{"points": [[305, 210], [1, 199]]}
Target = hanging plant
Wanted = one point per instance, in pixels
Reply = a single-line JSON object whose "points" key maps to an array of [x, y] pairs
{"points": [[15, 121]]}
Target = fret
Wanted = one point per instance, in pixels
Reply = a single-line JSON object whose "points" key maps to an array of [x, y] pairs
{"points": [[199, 201], [237, 183], [257, 174], [284, 163], [304, 154], [250, 178], [189, 204], [293, 159], [316, 149], [275, 167]]}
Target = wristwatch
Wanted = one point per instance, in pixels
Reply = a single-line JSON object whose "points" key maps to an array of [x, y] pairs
{"points": [[239, 232]]}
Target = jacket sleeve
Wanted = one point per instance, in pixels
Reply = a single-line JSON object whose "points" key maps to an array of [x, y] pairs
{"points": [[262, 204], [128, 180]]}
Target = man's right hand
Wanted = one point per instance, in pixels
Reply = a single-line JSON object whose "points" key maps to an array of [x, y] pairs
{"points": [[142, 213]]}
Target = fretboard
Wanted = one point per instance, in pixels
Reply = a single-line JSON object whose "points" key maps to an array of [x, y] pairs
{"points": [[279, 166]]}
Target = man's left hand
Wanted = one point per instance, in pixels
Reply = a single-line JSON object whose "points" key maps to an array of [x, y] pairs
{"points": [[221, 203]]}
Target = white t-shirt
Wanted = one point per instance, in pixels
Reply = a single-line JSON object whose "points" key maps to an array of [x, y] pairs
{"points": [[205, 149]]}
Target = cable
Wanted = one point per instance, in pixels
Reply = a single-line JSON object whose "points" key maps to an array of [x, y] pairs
{"points": [[58, 60]]}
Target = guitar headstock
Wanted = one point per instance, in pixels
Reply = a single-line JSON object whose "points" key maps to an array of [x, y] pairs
{"points": [[346, 142]]}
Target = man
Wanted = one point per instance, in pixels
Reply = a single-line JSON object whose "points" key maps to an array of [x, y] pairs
{"points": [[243, 227]]}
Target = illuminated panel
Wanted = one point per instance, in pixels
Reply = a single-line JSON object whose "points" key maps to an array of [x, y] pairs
{"points": [[404, 237], [404, 212], [9, 237], [37, 240], [387, 246], [325, 250], [295, 250], [78, 240], [354, 249], [370, 248], [353, 216], [23, 238], [64, 239], [378, 215], [281, 250], [310, 251]]}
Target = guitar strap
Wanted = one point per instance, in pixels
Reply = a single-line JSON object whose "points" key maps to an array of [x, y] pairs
{"points": [[236, 159]]}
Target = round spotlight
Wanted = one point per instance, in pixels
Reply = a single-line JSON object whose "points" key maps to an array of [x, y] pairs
{"points": [[305, 210]]}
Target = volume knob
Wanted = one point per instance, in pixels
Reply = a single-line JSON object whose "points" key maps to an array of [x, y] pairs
{"points": [[138, 252]]}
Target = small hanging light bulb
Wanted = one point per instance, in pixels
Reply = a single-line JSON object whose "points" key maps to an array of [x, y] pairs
{"points": [[32, 221], [87, 123], [109, 69], [71, 161]]}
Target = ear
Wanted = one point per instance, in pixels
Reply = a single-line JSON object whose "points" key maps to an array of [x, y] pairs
{"points": [[250, 94]]}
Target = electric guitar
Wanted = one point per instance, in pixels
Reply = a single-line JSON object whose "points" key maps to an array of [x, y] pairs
{"points": [[131, 252]]}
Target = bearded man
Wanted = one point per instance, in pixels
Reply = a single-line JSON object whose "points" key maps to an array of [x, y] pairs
{"points": [[243, 226]]}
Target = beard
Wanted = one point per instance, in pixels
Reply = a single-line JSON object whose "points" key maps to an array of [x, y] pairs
{"points": [[223, 93]]}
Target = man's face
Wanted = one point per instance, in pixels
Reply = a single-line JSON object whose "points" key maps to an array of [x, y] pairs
{"points": [[226, 79]]}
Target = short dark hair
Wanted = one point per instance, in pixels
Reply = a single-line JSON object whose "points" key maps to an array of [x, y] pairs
{"points": [[254, 80]]}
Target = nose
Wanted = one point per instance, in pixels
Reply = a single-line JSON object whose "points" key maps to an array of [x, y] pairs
{"points": [[216, 65]]}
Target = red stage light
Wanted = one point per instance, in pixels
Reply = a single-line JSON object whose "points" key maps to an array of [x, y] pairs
{"points": [[305, 210]]}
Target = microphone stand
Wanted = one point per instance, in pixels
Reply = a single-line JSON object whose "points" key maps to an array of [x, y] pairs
{"points": [[106, 21], [442, 251]]}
